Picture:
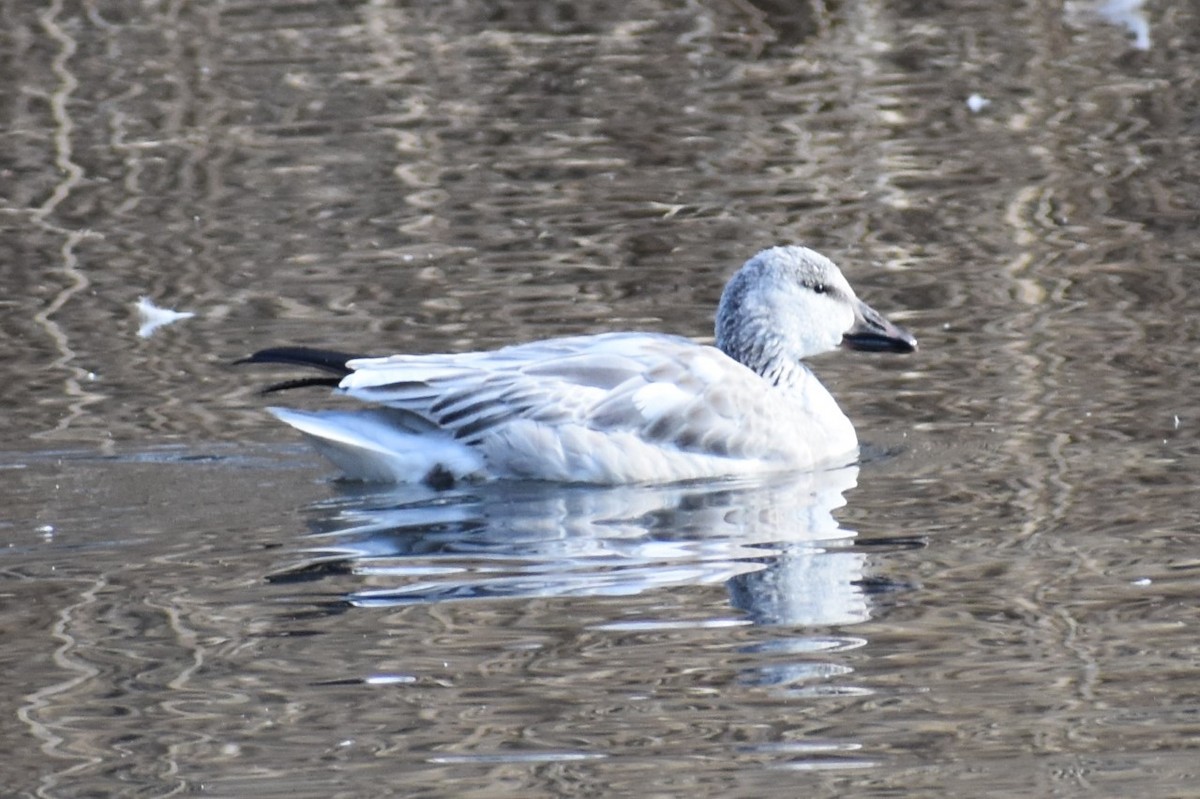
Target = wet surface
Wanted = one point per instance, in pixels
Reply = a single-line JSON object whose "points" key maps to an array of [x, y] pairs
{"points": [[999, 600]]}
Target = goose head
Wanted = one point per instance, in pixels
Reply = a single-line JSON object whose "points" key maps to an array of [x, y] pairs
{"points": [[788, 303]]}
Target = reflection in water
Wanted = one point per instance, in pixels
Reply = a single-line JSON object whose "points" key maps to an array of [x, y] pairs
{"points": [[775, 545], [1129, 13]]}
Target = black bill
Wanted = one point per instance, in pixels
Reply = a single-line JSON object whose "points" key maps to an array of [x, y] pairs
{"points": [[873, 333]]}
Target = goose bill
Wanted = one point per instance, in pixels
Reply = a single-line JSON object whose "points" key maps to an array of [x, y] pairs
{"points": [[873, 333]]}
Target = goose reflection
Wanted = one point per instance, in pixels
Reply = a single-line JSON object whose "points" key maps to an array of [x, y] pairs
{"points": [[1130, 14], [774, 543]]}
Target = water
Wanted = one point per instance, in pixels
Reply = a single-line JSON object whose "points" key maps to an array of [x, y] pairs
{"points": [[999, 600]]}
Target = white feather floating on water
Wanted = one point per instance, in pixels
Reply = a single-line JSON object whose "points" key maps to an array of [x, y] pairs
{"points": [[152, 317], [977, 103]]}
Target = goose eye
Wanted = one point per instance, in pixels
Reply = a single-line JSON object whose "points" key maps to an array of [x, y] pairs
{"points": [[820, 288]]}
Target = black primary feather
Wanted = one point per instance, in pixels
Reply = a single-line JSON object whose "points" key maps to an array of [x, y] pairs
{"points": [[325, 360], [302, 382]]}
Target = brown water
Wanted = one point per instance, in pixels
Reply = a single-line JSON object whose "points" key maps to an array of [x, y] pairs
{"points": [[999, 601]]}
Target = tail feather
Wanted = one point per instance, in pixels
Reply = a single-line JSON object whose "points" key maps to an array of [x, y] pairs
{"points": [[383, 445]]}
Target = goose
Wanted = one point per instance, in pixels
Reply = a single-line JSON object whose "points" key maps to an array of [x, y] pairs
{"points": [[611, 408]]}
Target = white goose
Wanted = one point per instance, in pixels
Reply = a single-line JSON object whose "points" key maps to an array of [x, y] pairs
{"points": [[615, 407]]}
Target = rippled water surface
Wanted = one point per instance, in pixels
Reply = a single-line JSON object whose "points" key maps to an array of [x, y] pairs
{"points": [[999, 600]]}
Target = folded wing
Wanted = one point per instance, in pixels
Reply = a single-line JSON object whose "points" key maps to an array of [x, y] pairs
{"points": [[665, 389]]}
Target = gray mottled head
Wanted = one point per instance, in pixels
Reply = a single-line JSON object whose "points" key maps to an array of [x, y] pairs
{"points": [[787, 303]]}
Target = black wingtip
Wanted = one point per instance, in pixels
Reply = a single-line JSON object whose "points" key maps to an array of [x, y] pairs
{"points": [[325, 360], [302, 382]]}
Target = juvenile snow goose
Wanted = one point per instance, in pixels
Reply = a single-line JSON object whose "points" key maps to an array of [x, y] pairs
{"points": [[614, 407]]}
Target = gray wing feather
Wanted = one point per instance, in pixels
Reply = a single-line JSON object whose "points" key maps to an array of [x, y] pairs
{"points": [[666, 388]]}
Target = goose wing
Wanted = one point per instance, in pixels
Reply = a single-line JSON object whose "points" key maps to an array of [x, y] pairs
{"points": [[666, 389]]}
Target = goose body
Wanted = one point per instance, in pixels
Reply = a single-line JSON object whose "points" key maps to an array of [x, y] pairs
{"points": [[614, 407]]}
